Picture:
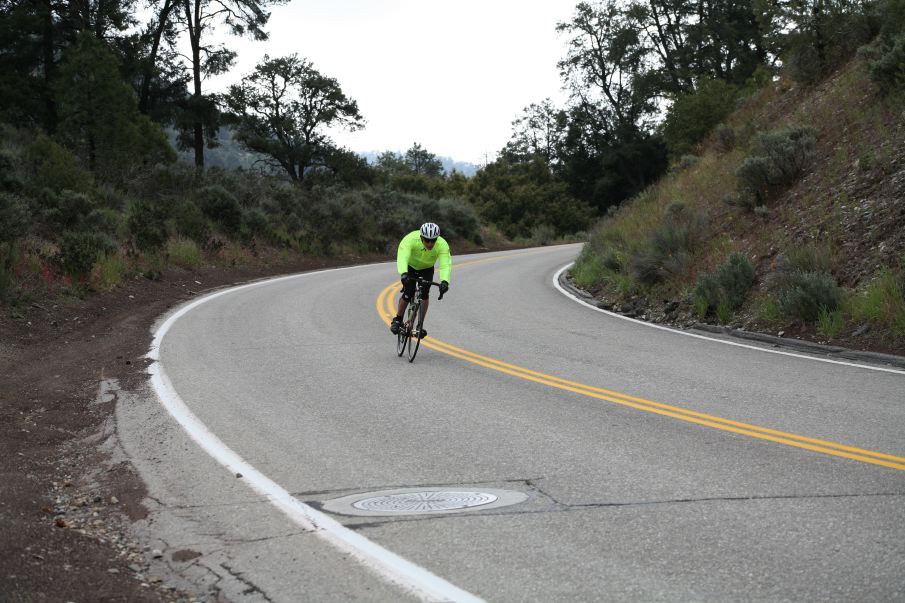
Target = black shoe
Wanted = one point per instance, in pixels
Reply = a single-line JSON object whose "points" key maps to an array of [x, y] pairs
{"points": [[396, 325]]}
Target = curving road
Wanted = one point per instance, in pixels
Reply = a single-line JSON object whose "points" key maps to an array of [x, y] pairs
{"points": [[651, 465]]}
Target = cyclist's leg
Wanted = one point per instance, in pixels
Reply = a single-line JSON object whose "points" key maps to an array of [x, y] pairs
{"points": [[408, 292], [428, 275]]}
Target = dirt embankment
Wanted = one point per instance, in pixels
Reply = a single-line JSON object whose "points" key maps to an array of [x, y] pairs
{"points": [[67, 499]]}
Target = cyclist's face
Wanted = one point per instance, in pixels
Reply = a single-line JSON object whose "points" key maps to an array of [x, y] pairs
{"points": [[429, 243]]}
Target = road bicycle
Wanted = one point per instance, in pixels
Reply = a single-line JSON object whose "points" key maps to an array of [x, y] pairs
{"points": [[410, 333]]}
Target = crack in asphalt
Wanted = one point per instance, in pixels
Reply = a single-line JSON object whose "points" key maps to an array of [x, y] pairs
{"points": [[557, 506], [252, 587], [379, 488]]}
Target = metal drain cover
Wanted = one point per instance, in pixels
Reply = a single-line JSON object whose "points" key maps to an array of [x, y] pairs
{"points": [[421, 501]]}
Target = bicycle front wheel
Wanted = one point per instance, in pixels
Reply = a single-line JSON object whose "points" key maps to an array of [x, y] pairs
{"points": [[402, 339], [415, 341]]}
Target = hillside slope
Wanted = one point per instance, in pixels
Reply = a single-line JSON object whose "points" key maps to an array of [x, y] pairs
{"points": [[827, 245]]}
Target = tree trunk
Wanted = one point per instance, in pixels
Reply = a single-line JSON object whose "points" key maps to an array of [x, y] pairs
{"points": [[144, 95], [194, 23], [45, 9]]}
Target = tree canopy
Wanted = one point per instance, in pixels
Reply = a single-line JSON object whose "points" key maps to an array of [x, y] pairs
{"points": [[283, 109]]}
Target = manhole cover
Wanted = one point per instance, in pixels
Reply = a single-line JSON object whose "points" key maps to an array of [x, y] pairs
{"points": [[420, 501], [424, 501]]}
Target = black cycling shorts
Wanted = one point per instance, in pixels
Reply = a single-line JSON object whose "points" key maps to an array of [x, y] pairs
{"points": [[408, 291]]}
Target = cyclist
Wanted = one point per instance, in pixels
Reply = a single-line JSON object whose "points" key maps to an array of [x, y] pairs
{"points": [[418, 251]]}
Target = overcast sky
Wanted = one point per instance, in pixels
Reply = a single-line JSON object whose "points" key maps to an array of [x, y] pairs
{"points": [[448, 75]]}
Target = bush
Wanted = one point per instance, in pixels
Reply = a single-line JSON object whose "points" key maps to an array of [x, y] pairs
{"points": [[52, 166], [778, 158], [707, 294], [727, 289], [14, 218], [693, 115], [666, 252], [189, 221], [886, 64], [806, 294], [109, 270], [829, 36], [105, 221], [147, 225], [724, 137], [736, 277], [588, 271], [80, 250], [221, 206], [64, 210], [882, 302], [257, 222], [184, 253], [10, 181]]}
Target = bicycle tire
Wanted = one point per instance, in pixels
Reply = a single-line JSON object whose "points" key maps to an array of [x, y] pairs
{"points": [[407, 330], [416, 330], [401, 340]]}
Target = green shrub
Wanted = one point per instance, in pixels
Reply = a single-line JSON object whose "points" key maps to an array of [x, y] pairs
{"points": [[14, 218], [221, 206], [110, 269], [542, 234], [724, 136], [725, 290], [886, 64], [826, 38], [63, 210], [666, 251], [148, 224], [805, 294], [736, 277], [189, 221], [612, 261], [52, 166], [693, 115], [184, 253], [708, 294], [830, 323], [882, 302], [10, 180], [106, 221], [588, 271], [81, 249], [777, 159], [807, 258], [256, 222]]}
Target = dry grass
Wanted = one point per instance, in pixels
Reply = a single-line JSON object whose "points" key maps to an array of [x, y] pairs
{"points": [[848, 206]]}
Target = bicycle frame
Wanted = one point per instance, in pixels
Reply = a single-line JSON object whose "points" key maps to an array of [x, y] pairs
{"points": [[413, 323]]}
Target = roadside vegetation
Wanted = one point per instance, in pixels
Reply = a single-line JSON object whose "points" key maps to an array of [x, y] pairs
{"points": [[749, 175], [785, 216]]}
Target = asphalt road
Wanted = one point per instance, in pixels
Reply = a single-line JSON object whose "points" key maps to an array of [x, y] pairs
{"points": [[651, 465]]}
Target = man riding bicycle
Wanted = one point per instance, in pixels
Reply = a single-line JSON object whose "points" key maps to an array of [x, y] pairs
{"points": [[418, 252]]}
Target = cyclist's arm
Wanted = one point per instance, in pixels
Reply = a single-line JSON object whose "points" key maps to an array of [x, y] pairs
{"points": [[445, 261]]}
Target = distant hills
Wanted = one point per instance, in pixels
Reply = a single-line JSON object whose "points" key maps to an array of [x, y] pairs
{"points": [[230, 155], [449, 164]]}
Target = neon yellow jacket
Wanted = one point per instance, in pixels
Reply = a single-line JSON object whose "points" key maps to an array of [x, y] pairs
{"points": [[413, 253]]}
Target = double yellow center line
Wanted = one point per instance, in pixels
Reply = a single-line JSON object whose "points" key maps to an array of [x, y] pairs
{"points": [[386, 310]]}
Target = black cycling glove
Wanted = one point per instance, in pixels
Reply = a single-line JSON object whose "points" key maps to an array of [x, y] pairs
{"points": [[444, 287], [404, 277]]}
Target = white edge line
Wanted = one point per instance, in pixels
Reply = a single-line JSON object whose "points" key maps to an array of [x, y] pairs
{"points": [[740, 345], [387, 565]]}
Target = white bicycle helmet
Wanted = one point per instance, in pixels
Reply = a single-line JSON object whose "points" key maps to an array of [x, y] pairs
{"points": [[430, 231]]}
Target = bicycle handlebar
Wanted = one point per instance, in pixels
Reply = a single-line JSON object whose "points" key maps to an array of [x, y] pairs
{"points": [[420, 281]]}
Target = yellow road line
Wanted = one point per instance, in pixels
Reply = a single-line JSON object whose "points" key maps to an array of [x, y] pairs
{"points": [[386, 309]]}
